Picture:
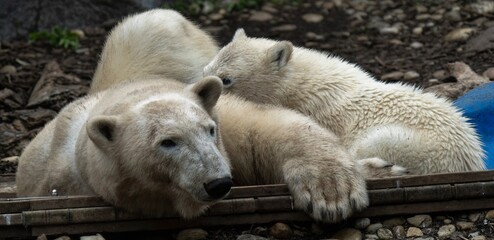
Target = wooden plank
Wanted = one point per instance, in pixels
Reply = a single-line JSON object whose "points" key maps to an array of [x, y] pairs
{"points": [[259, 191], [15, 232]]}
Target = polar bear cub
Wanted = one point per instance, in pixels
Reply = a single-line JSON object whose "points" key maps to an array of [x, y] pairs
{"points": [[397, 123], [157, 150], [173, 45]]}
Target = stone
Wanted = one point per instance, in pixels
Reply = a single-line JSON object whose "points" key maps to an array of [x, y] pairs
{"points": [[284, 28], [416, 45], [312, 17], [250, 237], [373, 228], [260, 16], [451, 91], [93, 237], [260, 231], [348, 234], [216, 16], [384, 233], [38, 117], [63, 238], [478, 238], [80, 34], [5, 93], [314, 36], [411, 75], [465, 75], [459, 34], [481, 7], [8, 69], [392, 76], [12, 159], [420, 221], [281, 231], [490, 215], [465, 226], [414, 232], [269, 8], [420, 9], [445, 231], [418, 30], [453, 16], [362, 223], [390, 30], [437, 17], [440, 75], [192, 234], [399, 232], [482, 42], [421, 17], [42, 237], [475, 216], [391, 222], [395, 41], [371, 237]]}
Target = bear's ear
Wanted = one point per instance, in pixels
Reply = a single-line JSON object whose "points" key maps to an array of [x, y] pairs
{"points": [[101, 129], [279, 54], [209, 90], [239, 34]]}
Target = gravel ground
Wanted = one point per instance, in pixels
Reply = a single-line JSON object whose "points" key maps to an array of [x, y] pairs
{"points": [[415, 42]]}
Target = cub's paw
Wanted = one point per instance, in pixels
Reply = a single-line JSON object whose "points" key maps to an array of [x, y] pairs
{"points": [[378, 168], [328, 193]]}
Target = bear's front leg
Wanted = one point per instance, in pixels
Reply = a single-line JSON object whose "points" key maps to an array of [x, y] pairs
{"points": [[329, 190]]}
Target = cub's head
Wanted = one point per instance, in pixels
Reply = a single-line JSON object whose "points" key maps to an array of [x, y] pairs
{"points": [[163, 150], [251, 67]]}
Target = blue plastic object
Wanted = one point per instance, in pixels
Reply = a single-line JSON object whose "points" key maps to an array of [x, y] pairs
{"points": [[478, 106]]}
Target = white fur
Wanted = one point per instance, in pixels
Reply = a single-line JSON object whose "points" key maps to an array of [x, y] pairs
{"points": [[398, 123]]}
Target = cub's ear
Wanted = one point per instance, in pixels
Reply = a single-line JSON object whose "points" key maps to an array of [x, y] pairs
{"points": [[279, 54], [209, 90], [239, 34], [101, 130]]}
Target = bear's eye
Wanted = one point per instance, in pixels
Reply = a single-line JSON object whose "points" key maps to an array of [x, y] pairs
{"points": [[168, 143], [211, 132], [226, 81]]}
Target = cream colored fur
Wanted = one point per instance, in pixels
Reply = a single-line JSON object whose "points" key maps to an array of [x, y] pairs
{"points": [[397, 123], [266, 144], [174, 47]]}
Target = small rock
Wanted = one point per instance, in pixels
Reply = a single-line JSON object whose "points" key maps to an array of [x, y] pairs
{"points": [[475, 216], [420, 221], [489, 73], [474, 234], [437, 17], [312, 17], [281, 230], [453, 15], [416, 45], [5, 93], [192, 234], [424, 16], [396, 42], [62, 238], [261, 231], [284, 28], [371, 237], [399, 232], [250, 237], [373, 228], [490, 215], [270, 9], [216, 16], [446, 231], [13, 159], [348, 234], [459, 34], [384, 233], [393, 222], [390, 30], [426, 238], [466, 226], [392, 76], [362, 223], [260, 16], [8, 69], [440, 75], [478, 238], [481, 42], [411, 75], [80, 34], [314, 36], [481, 7], [414, 232], [42, 237], [93, 237], [418, 30], [420, 9]]}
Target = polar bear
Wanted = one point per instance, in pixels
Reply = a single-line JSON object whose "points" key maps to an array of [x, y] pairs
{"points": [[394, 122], [175, 46]]}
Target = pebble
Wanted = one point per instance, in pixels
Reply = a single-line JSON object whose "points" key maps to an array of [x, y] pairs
{"points": [[270, 9], [312, 17], [440, 75], [281, 230], [250, 237], [284, 28], [490, 215], [371, 237], [396, 42], [362, 223], [437, 17], [424, 16], [453, 15], [418, 30], [416, 45], [80, 34], [314, 36], [459, 34], [42, 237], [426, 238], [394, 221], [64, 238], [446, 231], [192, 234], [216, 16], [8, 69], [420, 9], [384, 233], [390, 30], [392, 76], [12, 159], [478, 238], [348, 234], [373, 228], [489, 73], [93, 237], [261, 231], [482, 7], [419, 220], [399, 232], [411, 75], [447, 221], [414, 232], [260, 16], [466, 226]]}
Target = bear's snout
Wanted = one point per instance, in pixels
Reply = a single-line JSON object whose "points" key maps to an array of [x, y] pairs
{"points": [[218, 188]]}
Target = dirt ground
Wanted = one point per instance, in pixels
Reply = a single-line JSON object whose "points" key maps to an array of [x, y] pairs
{"points": [[408, 41]]}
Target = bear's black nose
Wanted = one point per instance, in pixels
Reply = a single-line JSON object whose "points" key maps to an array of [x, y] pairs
{"points": [[218, 188]]}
